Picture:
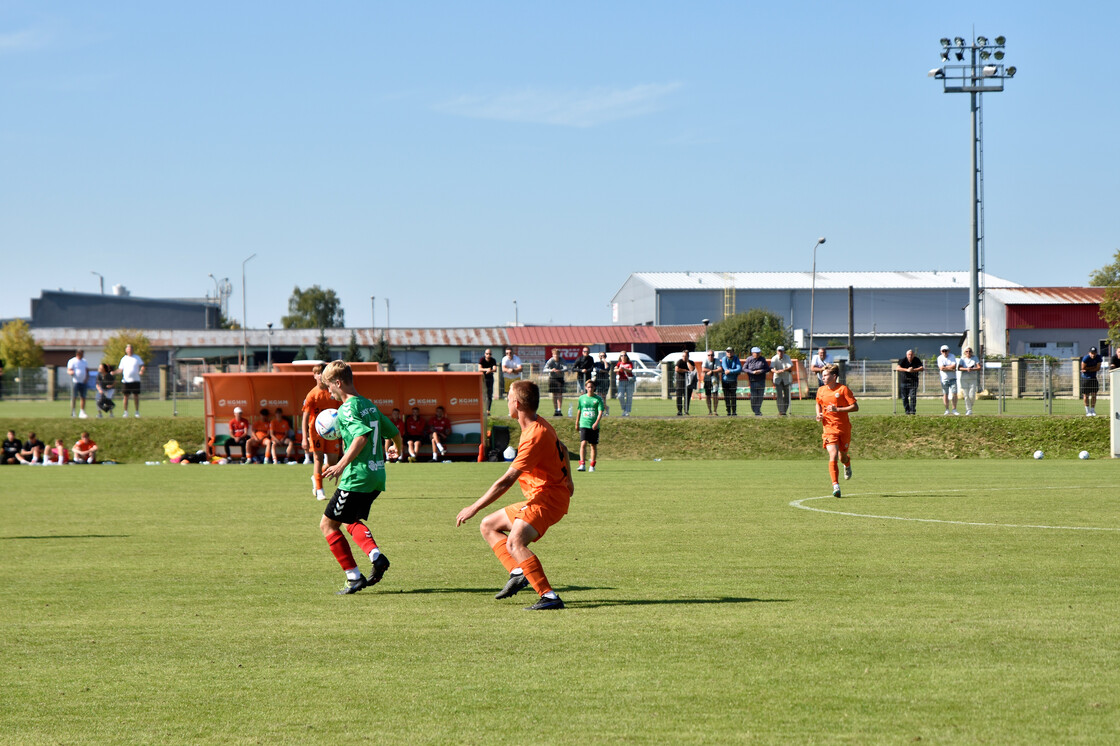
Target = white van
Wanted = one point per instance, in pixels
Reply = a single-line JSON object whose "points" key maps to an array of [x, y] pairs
{"points": [[645, 367], [698, 356]]}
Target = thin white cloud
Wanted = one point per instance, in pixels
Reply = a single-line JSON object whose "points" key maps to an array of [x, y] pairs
{"points": [[21, 41], [564, 108]]}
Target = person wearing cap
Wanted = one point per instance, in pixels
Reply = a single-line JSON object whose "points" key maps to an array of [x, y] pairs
{"points": [[781, 368], [911, 367], [1090, 366], [757, 367], [732, 367], [818, 363], [712, 372], [947, 366], [238, 432], [968, 378]]}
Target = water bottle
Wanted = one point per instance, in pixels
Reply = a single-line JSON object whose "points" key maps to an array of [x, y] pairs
{"points": [[569, 410]]}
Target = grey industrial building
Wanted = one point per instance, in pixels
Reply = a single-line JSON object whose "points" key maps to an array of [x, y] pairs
{"points": [[891, 310]]}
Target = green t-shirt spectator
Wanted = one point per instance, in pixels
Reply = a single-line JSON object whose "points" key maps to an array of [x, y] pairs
{"points": [[589, 409], [356, 417]]}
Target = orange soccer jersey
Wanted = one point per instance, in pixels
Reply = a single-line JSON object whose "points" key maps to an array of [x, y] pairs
{"points": [[316, 401], [544, 478], [835, 423]]}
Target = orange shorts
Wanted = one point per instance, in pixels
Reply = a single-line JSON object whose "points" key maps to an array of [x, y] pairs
{"points": [[540, 515], [841, 439], [322, 445]]}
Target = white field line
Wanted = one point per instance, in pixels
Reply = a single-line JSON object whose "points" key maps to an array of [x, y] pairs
{"points": [[800, 504]]}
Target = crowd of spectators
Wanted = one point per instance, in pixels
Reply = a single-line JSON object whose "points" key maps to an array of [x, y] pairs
{"points": [[34, 452]]}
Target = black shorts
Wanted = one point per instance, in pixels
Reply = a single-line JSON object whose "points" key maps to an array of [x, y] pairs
{"points": [[1090, 386], [589, 435], [350, 507], [555, 385], [131, 388]]}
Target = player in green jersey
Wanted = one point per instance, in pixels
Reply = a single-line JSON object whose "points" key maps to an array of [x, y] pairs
{"points": [[360, 474], [591, 409]]}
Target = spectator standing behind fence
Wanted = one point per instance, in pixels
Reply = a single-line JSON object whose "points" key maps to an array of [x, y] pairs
{"points": [[968, 378], [555, 368], [781, 366], [624, 376], [819, 363], [131, 367], [602, 376], [511, 369], [947, 367], [488, 366], [732, 367], [78, 368], [910, 366], [757, 368], [583, 366], [85, 450], [1090, 366], [712, 372], [106, 387], [33, 452], [11, 449], [683, 369]]}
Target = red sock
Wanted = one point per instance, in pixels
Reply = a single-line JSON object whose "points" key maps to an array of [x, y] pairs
{"points": [[534, 573], [834, 471], [503, 554], [340, 548], [362, 536]]}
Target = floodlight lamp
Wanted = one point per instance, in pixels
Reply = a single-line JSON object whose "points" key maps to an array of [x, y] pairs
{"points": [[944, 55], [1011, 71], [958, 41], [985, 54], [937, 72], [989, 70], [999, 54], [1000, 41], [982, 41], [960, 55], [944, 42]]}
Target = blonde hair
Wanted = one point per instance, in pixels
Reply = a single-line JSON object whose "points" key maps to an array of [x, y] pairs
{"points": [[527, 394], [338, 371], [832, 368]]}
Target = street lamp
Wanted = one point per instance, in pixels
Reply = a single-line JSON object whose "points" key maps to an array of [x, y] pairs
{"points": [[270, 347], [244, 320], [706, 347], [102, 278], [372, 312], [515, 313], [979, 75], [813, 294]]}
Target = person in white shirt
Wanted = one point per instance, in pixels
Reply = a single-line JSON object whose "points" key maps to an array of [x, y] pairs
{"points": [[968, 375], [131, 367], [947, 366], [819, 363], [78, 369], [511, 369], [781, 366]]}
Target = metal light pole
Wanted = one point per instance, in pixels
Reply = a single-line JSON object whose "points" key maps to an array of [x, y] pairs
{"points": [[372, 311], [515, 313], [983, 73], [706, 346], [244, 319], [270, 347], [813, 294], [102, 278]]}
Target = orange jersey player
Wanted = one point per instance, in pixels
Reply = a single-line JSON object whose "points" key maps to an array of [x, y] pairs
{"points": [[322, 451], [834, 402], [543, 471]]}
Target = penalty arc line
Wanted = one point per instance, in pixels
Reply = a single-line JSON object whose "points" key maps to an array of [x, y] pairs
{"points": [[799, 504]]}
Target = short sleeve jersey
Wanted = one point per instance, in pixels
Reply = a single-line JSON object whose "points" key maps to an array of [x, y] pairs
{"points": [[947, 359], [359, 416], [544, 475], [1092, 364], [316, 401], [80, 369], [278, 428], [414, 427], [440, 425], [260, 428], [238, 427], [589, 409], [130, 368], [12, 447], [841, 396], [910, 376]]}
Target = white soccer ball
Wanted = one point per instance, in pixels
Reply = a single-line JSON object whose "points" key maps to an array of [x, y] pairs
{"points": [[326, 424], [509, 454], [1038, 454], [1084, 455]]}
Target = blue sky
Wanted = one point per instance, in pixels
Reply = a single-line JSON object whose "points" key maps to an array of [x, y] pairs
{"points": [[454, 157]]}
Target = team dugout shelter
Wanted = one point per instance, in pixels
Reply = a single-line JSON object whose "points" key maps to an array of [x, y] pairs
{"points": [[460, 395]]}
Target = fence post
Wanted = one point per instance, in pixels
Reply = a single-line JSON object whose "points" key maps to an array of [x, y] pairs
{"points": [[1076, 379], [665, 373], [163, 383], [1017, 378], [50, 382]]}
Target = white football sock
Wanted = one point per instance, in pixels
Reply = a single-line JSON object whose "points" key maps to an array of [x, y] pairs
{"points": [[353, 574]]}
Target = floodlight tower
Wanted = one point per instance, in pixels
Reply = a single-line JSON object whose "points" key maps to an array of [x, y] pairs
{"points": [[983, 73]]}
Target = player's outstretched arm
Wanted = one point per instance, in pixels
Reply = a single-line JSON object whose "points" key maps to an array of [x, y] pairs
{"points": [[496, 490]]}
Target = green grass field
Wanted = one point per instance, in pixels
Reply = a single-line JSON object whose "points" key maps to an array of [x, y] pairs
{"points": [[196, 605]]}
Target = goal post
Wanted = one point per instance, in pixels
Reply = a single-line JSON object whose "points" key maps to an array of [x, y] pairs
{"points": [[1114, 412]]}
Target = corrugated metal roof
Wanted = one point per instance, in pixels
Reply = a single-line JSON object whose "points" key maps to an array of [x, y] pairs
{"points": [[1050, 295], [825, 280], [680, 333], [582, 335], [54, 337]]}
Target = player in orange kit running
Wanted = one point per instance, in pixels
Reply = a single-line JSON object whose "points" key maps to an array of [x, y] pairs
{"points": [[318, 399], [542, 469], [834, 402]]}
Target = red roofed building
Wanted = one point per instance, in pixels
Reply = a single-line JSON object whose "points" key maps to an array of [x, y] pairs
{"points": [[1063, 322]]}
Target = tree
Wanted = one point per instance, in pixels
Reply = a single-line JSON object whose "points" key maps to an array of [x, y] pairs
{"points": [[18, 349], [755, 328], [353, 354], [1108, 277], [322, 349], [381, 354], [114, 348], [313, 308]]}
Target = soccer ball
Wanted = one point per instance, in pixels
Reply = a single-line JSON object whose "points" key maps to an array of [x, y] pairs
{"points": [[1084, 455], [326, 424], [509, 454], [1038, 454]]}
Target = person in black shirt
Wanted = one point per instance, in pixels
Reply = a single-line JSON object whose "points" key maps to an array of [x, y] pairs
{"points": [[12, 447], [488, 365], [683, 369], [32, 451], [583, 366], [911, 369]]}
